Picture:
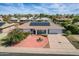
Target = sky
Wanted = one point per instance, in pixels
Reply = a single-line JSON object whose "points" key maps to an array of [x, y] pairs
{"points": [[36, 8]]}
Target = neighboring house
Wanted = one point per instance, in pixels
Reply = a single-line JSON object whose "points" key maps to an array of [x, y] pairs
{"points": [[43, 19], [14, 20], [46, 19], [41, 28], [23, 19], [31, 19], [20, 20]]}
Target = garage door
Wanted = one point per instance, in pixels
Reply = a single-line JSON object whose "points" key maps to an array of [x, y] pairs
{"points": [[55, 31]]}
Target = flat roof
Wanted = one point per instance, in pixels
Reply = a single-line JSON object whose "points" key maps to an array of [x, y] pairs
{"points": [[23, 18], [13, 18], [43, 18], [52, 26]]}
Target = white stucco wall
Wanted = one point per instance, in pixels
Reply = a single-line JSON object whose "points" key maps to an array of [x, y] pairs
{"points": [[50, 31]]}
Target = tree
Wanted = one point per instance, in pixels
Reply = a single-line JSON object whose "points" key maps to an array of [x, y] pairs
{"points": [[6, 18], [54, 20], [65, 24], [41, 15], [68, 32], [73, 28], [76, 19], [15, 15]]}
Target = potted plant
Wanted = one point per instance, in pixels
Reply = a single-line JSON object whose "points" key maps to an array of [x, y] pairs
{"points": [[39, 39]]}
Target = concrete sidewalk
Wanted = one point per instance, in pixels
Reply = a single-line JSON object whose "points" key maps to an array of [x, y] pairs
{"points": [[39, 51]]}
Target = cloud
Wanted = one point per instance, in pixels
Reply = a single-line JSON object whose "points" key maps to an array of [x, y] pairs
{"points": [[50, 8]]}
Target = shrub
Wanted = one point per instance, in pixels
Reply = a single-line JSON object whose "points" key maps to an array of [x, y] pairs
{"points": [[14, 37], [68, 33]]}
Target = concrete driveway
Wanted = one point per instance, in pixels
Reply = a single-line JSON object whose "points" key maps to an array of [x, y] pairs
{"points": [[59, 42]]}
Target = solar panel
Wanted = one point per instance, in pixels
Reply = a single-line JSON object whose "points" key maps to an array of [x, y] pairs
{"points": [[39, 24], [2, 23]]}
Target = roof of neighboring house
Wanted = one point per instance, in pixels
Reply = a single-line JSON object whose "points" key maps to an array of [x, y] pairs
{"points": [[44, 18], [31, 18], [52, 26], [13, 18], [23, 18]]}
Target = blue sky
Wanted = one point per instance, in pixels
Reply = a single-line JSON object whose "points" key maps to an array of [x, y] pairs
{"points": [[35, 8]]}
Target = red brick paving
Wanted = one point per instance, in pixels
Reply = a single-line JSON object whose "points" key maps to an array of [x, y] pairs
{"points": [[31, 41]]}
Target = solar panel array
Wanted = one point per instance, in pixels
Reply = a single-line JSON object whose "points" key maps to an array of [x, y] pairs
{"points": [[2, 23], [39, 24]]}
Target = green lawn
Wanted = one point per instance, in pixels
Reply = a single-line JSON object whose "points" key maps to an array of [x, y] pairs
{"points": [[74, 39]]}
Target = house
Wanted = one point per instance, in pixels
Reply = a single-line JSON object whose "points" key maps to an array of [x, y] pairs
{"points": [[20, 20], [43, 19], [36, 27], [23, 19], [31, 19], [14, 20]]}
